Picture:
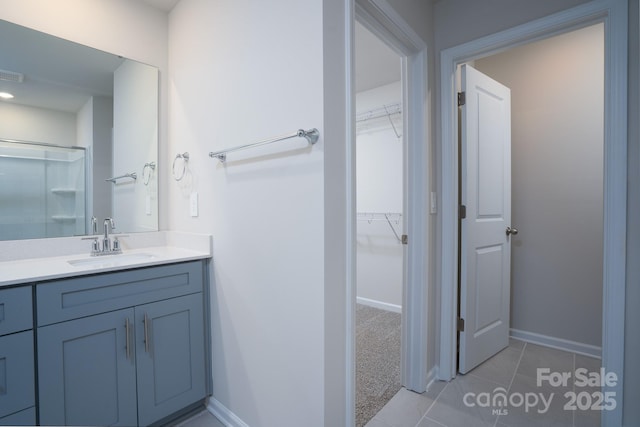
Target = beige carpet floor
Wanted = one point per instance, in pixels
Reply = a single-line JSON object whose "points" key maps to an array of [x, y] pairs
{"points": [[377, 360]]}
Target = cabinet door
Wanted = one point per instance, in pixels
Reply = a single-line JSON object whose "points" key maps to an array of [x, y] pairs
{"points": [[170, 356], [86, 371], [25, 417], [17, 391]]}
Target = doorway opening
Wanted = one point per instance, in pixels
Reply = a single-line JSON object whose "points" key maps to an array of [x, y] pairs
{"points": [[380, 194], [414, 221], [613, 181], [557, 177]]}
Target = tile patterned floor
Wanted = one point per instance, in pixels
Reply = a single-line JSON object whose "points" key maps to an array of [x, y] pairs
{"points": [[203, 419], [513, 369]]}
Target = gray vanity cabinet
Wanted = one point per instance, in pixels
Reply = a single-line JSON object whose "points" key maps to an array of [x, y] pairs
{"points": [[170, 356], [17, 391], [86, 376], [134, 355]]}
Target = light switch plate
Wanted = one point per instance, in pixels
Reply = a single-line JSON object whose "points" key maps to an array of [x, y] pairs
{"points": [[147, 204], [193, 204]]}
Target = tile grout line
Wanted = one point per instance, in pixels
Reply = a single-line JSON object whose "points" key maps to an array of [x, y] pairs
{"points": [[433, 403], [471, 374], [524, 347], [432, 420], [515, 371]]}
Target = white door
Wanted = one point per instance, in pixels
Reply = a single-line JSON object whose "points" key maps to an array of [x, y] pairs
{"points": [[485, 242]]}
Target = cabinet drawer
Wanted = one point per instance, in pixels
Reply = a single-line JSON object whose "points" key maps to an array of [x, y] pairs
{"points": [[17, 391], [15, 310], [68, 299]]}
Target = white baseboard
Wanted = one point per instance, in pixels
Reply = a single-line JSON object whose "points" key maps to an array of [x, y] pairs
{"points": [[559, 343], [224, 415], [379, 304]]}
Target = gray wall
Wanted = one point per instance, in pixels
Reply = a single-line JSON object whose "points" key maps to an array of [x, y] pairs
{"points": [[557, 89]]}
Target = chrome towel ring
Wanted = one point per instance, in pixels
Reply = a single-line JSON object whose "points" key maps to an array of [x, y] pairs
{"points": [[185, 158]]}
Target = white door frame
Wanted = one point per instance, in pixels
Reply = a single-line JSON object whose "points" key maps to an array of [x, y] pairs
{"points": [[613, 13], [382, 20]]}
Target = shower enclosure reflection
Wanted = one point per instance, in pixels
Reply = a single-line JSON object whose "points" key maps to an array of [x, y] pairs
{"points": [[42, 190]]}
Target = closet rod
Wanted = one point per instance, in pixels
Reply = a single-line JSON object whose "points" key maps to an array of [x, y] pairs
{"points": [[310, 135]]}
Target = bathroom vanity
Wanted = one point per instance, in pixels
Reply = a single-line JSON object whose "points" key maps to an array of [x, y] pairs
{"points": [[116, 339], [115, 343]]}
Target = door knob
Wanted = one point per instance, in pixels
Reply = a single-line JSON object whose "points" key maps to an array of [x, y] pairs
{"points": [[512, 231]]}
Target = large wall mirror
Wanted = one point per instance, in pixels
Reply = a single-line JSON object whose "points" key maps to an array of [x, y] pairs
{"points": [[78, 138]]}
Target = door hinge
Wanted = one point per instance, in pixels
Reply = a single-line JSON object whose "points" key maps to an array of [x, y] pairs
{"points": [[405, 239], [463, 211], [460, 324], [462, 98]]}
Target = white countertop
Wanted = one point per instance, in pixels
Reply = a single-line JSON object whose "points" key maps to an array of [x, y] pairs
{"points": [[23, 271]]}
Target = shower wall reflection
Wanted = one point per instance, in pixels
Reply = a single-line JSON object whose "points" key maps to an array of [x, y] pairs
{"points": [[42, 190]]}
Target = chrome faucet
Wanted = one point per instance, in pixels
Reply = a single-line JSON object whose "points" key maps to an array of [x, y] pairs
{"points": [[108, 246], [106, 240]]}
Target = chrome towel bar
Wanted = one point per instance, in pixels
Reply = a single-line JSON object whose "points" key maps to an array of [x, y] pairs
{"points": [[310, 135], [133, 176]]}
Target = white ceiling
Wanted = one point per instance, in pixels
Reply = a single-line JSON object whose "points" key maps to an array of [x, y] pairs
{"points": [[376, 63], [165, 5], [58, 74]]}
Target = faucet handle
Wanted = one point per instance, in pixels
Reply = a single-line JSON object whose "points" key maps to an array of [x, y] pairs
{"points": [[94, 224], [95, 247], [116, 245]]}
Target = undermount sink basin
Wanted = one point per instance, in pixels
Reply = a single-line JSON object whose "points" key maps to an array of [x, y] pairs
{"points": [[111, 260]]}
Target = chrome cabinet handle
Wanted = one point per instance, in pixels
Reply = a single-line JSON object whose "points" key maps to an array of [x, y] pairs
{"points": [[146, 333], [127, 338], [512, 231]]}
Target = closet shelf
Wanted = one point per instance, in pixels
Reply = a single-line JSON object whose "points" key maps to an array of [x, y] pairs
{"points": [[380, 216], [385, 111], [383, 216], [376, 113]]}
